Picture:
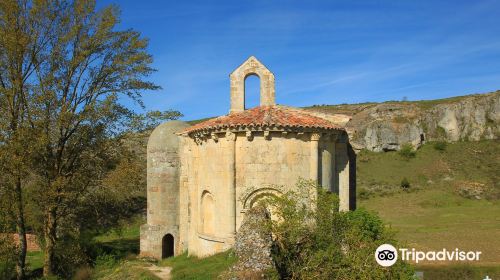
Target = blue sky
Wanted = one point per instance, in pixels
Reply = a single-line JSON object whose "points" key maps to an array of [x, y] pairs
{"points": [[321, 52]]}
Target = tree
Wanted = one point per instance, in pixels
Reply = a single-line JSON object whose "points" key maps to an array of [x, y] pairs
{"points": [[151, 119], [63, 68], [24, 32], [88, 67]]}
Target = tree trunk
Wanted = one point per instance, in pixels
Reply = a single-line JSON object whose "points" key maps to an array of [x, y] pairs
{"points": [[50, 241], [21, 230]]}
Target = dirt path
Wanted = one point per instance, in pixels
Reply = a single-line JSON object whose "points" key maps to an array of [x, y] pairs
{"points": [[163, 272]]}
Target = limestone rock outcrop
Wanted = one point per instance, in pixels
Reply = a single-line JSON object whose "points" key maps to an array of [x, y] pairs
{"points": [[387, 126]]}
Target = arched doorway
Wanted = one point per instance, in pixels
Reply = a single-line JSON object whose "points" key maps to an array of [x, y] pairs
{"points": [[167, 246]]}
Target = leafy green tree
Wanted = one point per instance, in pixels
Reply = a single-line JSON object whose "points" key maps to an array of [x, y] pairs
{"points": [[313, 240], [25, 30], [63, 68], [88, 67]]}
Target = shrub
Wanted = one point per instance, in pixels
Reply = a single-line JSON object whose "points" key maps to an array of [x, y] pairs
{"points": [[405, 184], [322, 243], [105, 261], [364, 193], [70, 254], [407, 151], [441, 132], [440, 145]]}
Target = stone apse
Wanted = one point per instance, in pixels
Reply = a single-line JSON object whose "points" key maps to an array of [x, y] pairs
{"points": [[203, 178]]}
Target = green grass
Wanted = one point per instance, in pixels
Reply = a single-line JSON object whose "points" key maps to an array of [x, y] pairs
{"points": [[34, 260], [433, 214], [122, 242], [125, 269], [460, 163], [193, 268], [121, 247], [427, 104], [131, 230], [193, 122], [437, 219]]}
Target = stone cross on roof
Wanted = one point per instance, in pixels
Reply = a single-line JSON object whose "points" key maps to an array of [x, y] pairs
{"points": [[252, 66]]}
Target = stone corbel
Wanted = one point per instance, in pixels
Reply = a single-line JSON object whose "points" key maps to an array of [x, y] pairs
{"points": [[267, 135], [230, 136], [300, 135], [214, 137], [198, 140], [249, 135]]}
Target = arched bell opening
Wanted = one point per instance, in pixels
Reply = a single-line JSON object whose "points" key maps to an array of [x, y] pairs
{"points": [[251, 91]]}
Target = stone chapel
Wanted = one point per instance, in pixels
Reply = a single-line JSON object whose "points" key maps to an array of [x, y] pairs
{"points": [[201, 179]]}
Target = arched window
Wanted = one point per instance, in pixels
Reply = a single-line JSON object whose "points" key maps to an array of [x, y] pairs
{"points": [[252, 91], [207, 213], [167, 246]]}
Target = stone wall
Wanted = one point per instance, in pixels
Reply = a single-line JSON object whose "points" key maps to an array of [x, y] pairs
{"points": [[237, 169], [262, 163], [163, 164], [31, 241], [207, 172]]}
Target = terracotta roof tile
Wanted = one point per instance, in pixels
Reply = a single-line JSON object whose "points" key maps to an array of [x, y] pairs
{"points": [[265, 116]]}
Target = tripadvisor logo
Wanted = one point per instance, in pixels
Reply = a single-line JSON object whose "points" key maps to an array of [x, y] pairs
{"points": [[386, 255]]}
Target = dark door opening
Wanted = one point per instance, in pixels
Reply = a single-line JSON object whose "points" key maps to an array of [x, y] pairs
{"points": [[167, 246]]}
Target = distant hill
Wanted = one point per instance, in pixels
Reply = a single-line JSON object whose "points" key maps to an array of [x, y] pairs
{"points": [[386, 126]]}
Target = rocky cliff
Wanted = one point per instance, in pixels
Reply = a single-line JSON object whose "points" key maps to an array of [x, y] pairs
{"points": [[387, 126]]}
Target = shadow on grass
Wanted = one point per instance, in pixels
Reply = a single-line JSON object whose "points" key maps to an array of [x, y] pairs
{"points": [[120, 248], [193, 268]]}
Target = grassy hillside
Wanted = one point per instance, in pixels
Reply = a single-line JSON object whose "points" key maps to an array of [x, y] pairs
{"points": [[466, 168], [452, 202], [352, 109]]}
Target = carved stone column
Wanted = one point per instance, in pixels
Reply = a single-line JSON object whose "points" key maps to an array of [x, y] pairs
{"points": [[327, 168], [231, 175], [314, 156], [342, 162]]}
